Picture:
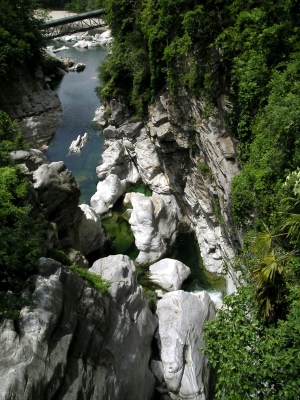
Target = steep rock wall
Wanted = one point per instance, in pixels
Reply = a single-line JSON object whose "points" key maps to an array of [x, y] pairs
{"points": [[182, 152], [199, 160], [29, 100]]}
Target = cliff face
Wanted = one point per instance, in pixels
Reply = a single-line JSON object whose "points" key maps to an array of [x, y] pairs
{"points": [[29, 100], [182, 153], [199, 160], [73, 342]]}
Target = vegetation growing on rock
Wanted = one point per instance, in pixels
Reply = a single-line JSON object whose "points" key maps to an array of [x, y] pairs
{"points": [[248, 54], [93, 280], [21, 245]]}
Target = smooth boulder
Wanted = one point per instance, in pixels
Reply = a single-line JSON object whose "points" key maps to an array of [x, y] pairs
{"points": [[169, 274], [185, 369], [154, 223], [108, 192]]}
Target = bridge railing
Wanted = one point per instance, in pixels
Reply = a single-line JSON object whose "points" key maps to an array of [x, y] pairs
{"points": [[74, 23]]}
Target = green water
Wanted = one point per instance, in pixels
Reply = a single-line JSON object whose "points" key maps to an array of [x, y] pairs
{"points": [[117, 227], [186, 250], [79, 101]]}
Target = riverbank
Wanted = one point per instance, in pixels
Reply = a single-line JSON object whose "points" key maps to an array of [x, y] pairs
{"points": [[57, 14]]}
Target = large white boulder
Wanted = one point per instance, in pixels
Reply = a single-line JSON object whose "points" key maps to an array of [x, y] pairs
{"points": [[108, 192], [91, 233], [169, 273], [180, 337], [117, 161], [104, 38], [154, 223], [78, 143]]}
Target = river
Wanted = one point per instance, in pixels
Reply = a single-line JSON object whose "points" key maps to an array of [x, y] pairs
{"points": [[79, 102]]}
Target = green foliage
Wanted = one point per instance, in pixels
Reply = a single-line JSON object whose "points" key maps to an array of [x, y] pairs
{"points": [[77, 6], [218, 211], [204, 169], [125, 72], [95, 281], [268, 273], [267, 90], [11, 304], [10, 138], [59, 256], [21, 40], [157, 42], [257, 332], [21, 245], [252, 360]]}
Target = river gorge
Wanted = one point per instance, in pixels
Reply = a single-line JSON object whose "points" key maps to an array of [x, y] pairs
{"points": [[160, 190]]}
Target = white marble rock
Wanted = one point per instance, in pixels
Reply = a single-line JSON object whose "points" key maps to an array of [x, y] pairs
{"points": [[181, 317], [169, 274]]}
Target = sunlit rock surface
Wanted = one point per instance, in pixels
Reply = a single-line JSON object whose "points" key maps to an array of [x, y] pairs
{"points": [[108, 192], [154, 223], [183, 368], [169, 274], [73, 342]]}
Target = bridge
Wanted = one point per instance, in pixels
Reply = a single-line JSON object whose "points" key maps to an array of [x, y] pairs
{"points": [[74, 23]]}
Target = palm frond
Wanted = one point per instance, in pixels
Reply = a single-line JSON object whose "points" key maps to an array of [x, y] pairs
{"points": [[291, 224], [261, 245], [266, 270], [290, 203]]}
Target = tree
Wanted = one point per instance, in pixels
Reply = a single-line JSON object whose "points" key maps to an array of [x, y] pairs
{"points": [[21, 244], [21, 40], [268, 273], [252, 360]]}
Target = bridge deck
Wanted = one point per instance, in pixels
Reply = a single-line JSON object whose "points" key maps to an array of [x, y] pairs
{"points": [[73, 18], [74, 23]]}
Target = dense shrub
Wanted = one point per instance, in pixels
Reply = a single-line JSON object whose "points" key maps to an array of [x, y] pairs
{"points": [[21, 244], [21, 40]]}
